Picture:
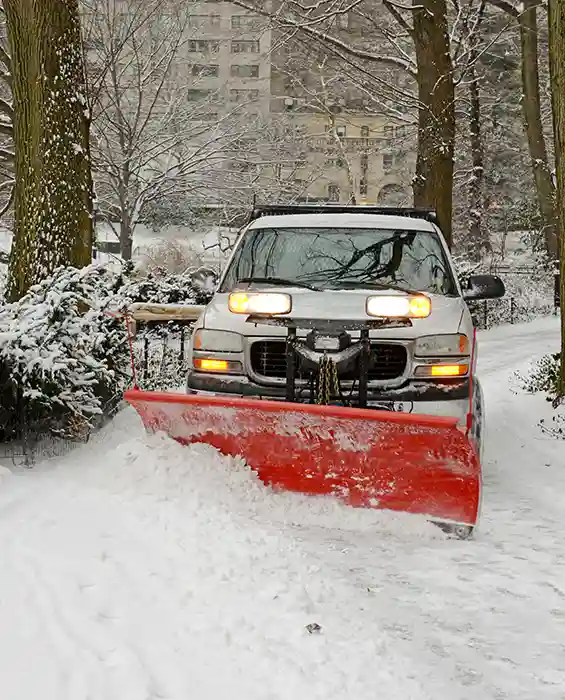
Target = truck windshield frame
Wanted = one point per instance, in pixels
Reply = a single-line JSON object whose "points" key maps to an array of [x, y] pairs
{"points": [[344, 258]]}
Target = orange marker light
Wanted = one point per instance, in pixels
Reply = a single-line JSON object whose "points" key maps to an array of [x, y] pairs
{"points": [[211, 365], [449, 370]]}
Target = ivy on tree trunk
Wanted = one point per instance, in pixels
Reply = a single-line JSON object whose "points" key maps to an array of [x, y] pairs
{"points": [[53, 193]]}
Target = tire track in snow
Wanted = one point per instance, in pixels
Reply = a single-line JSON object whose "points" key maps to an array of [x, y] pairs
{"points": [[80, 616]]}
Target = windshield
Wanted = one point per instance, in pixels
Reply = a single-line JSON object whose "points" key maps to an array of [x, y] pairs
{"points": [[335, 258]]}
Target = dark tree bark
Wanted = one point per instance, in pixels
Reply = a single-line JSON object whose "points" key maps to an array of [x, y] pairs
{"points": [[53, 199], [528, 26], [527, 21], [433, 182], [479, 241], [556, 19]]}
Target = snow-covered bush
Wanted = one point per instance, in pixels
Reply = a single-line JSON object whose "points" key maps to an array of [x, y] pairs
{"points": [[63, 360], [159, 354], [543, 376], [64, 351], [160, 287]]}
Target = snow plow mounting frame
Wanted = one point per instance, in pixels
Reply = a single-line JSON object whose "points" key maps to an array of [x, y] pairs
{"points": [[345, 353]]}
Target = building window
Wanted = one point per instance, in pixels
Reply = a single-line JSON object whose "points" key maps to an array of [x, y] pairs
{"points": [[400, 131], [245, 47], [196, 95], [243, 21], [364, 132], [243, 95], [333, 193], [388, 131], [388, 161], [246, 71], [205, 71], [202, 46], [212, 20], [341, 130]]}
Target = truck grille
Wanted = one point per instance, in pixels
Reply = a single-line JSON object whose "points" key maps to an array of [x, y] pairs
{"points": [[388, 360]]}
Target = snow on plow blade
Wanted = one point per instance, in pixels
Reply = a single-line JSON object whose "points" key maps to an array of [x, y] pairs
{"points": [[367, 458]]}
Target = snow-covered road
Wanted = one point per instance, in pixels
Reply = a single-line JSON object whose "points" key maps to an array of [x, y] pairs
{"points": [[135, 569]]}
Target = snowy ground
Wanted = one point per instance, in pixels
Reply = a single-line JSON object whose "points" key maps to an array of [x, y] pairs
{"points": [[136, 569]]}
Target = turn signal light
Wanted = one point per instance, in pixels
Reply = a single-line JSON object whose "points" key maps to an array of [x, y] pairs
{"points": [[441, 371], [206, 364]]}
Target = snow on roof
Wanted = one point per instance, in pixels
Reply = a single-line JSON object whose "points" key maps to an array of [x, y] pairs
{"points": [[323, 220]]}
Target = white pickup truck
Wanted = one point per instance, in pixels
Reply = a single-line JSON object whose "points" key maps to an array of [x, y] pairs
{"points": [[374, 290]]}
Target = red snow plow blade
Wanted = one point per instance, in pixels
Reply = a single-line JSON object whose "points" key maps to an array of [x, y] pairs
{"points": [[367, 458]]}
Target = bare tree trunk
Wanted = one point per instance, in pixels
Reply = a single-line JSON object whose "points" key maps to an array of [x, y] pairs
{"points": [[126, 237], [527, 21], [433, 182], [53, 195], [556, 20], [479, 240]]}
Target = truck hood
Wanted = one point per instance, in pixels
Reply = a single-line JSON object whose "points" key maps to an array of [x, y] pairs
{"points": [[347, 305]]}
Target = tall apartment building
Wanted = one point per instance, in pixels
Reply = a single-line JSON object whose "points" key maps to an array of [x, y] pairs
{"points": [[229, 55], [348, 149], [361, 153]]}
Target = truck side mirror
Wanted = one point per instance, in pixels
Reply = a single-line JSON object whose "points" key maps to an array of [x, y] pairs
{"points": [[484, 287]]}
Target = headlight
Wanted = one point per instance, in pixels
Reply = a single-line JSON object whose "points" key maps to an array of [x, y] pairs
{"points": [[397, 306], [218, 341], [442, 346], [259, 303]]}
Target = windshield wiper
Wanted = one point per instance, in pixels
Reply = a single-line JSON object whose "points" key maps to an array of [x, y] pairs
{"points": [[357, 284], [280, 281]]}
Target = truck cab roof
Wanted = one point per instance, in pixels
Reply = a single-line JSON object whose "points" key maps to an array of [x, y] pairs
{"points": [[344, 220]]}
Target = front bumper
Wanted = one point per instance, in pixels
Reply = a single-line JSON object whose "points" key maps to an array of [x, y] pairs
{"points": [[447, 398]]}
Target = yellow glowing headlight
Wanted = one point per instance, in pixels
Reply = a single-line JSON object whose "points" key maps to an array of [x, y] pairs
{"points": [[259, 303], [398, 306]]}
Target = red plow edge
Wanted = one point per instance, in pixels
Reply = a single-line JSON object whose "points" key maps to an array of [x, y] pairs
{"points": [[366, 458]]}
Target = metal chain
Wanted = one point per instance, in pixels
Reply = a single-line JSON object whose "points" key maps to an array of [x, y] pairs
{"points": [[328, 381]]}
